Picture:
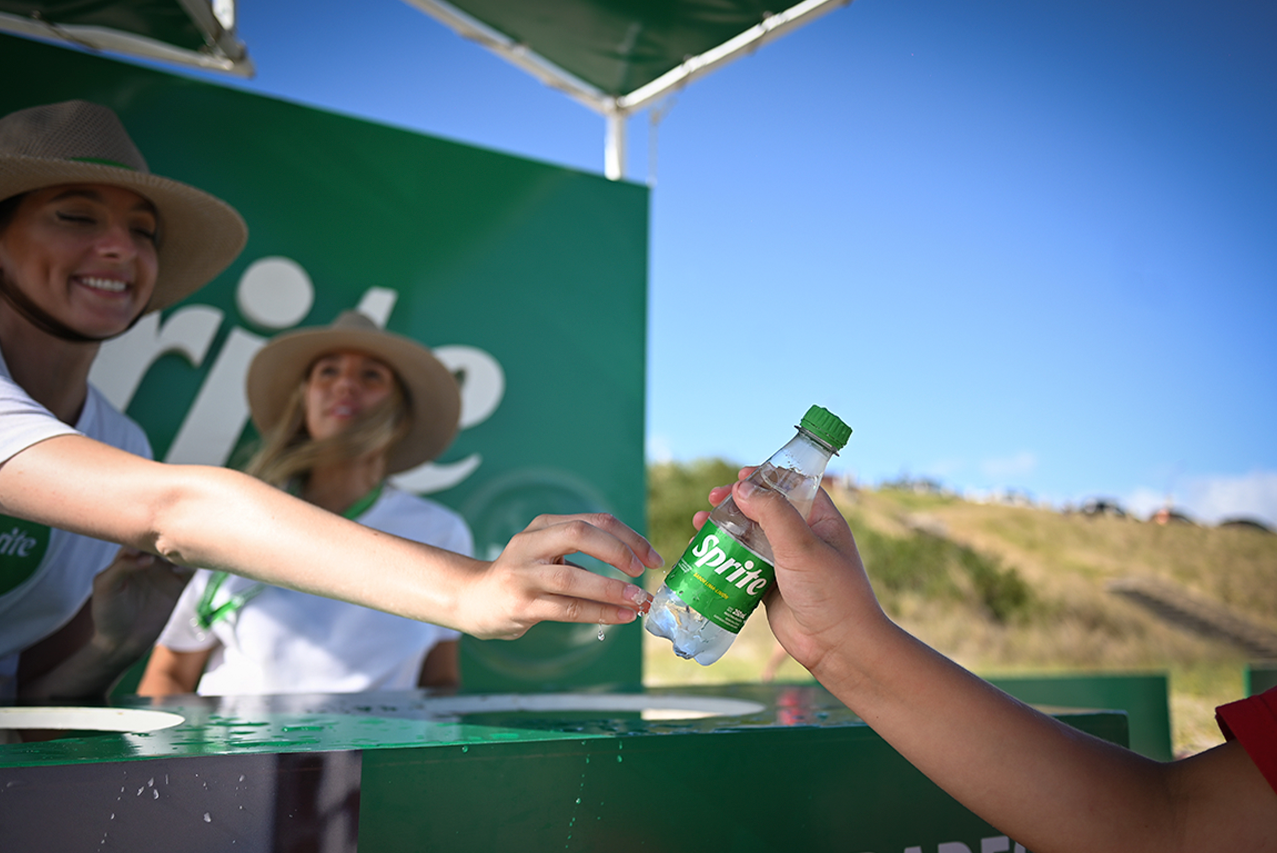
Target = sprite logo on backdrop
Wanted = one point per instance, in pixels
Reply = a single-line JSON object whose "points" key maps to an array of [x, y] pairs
{"points": [[22, 547], [274, 293]]}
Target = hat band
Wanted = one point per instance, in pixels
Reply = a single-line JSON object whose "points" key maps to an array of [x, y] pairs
{"points": [[47, 323], [102, 161]]}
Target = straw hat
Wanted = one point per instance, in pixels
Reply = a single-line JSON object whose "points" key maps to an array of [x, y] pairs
{"points": [[76, 142], [434, 399]]}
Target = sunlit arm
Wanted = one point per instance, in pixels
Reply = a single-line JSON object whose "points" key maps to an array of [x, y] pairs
{"points": [[1043, 783], [221, 519]]}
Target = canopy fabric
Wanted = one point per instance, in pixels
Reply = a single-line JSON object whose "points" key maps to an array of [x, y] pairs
{"points": [[198, 33], [614, 56], [619, 55]]}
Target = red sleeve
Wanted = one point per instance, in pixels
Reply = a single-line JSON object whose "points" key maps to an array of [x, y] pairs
{"points": [[1253, 723]]}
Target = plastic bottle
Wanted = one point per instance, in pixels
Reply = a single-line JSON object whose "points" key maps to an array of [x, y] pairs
{"points": [[727, 568]]}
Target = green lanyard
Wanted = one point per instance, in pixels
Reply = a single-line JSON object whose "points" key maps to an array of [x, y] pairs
{"points": [[206, 614]]}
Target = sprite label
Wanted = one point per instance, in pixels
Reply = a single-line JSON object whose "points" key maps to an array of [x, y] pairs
{"points": [[720, 578]]}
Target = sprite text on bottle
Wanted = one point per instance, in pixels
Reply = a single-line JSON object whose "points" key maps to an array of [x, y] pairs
{"points": [[720, 578], [728, 567]]}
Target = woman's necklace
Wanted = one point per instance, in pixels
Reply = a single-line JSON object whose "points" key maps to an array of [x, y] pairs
{"points": [[206, 614]]}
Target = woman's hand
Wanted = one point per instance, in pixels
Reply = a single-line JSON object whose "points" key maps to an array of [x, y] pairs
{"points": [[532, 581], [132, 600]]}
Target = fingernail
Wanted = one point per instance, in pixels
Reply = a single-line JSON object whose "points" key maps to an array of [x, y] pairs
{"points": [[746, 488], [660, 561], [624, 615], [641, 597]]}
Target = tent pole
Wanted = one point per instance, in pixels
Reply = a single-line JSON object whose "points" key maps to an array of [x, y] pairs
{"points": [[614, 146]]}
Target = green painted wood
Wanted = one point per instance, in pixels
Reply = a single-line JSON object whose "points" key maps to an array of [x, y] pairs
{"points": [[1143, 696], [798, 772]]}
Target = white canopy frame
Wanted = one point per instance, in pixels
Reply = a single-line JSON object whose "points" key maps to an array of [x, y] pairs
{"points": [[216, 20], [616, 109]]}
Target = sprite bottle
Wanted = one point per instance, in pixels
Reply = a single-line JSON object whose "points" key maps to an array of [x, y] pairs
{"points": [[727, 568]]}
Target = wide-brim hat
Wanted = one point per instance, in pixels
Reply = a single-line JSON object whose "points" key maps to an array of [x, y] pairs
{"points": [[434, 398], [77, 142]]}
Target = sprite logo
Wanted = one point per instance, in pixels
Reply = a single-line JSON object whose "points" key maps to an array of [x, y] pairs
{"points": [[22, 547], [720, 578]]}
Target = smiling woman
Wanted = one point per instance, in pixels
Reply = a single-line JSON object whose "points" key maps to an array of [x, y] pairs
{"points": [[81, 242], [90, 253], [89, 241]]}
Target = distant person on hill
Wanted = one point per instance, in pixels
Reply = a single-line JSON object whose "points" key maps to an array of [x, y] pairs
{"points": [[777, 657], [1049, 786]]}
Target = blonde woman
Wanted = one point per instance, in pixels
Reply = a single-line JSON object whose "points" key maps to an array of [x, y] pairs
{"points": [[89, 241], [339, 409]]}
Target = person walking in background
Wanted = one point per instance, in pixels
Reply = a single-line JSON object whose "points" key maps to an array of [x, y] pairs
{"points": [[339, 410], [90, 241], [1043, 783]]}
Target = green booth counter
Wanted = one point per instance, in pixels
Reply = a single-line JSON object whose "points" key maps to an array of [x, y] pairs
{"points": [[730, 768]]}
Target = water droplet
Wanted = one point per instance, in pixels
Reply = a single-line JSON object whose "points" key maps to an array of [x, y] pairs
{"points": [[601, 635], [578, 802], [208, 818], [619, 759], [157, 794], [465, 749]]}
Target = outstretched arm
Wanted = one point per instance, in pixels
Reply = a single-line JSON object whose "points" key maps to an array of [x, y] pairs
{"points": [[1042, 782], [220, 519]]}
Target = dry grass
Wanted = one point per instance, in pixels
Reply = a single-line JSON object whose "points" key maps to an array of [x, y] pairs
{"points": [[1074, 623]]}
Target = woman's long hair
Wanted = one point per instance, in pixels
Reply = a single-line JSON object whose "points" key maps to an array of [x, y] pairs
{"points": [[287, 453]]}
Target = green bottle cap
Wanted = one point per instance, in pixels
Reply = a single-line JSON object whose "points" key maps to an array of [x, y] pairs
{"points": [[827, 426]]}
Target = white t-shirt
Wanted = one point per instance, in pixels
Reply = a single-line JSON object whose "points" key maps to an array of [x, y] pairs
{"points": [[284, 641], [47, 574]]}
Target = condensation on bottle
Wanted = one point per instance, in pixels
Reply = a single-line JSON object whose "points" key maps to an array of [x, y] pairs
{"points": [[727, 568]]}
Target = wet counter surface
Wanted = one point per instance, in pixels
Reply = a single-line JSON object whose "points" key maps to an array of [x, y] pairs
{"points": [[311, 722], [774, 767]]}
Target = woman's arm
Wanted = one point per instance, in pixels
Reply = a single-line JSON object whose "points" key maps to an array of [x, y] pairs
{"points": [[169, 672], [441, 666], [220, 519], [1047, 785]]}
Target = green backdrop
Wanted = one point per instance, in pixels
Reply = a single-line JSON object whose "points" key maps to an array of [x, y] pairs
{"points": [[531, 277]]}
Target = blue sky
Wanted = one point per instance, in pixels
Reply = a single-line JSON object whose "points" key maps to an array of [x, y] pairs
{"points": [[1016, 245]]}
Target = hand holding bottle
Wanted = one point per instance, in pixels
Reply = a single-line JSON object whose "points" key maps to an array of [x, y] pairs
{"points": [[980, 745], [727, 569], [822, 606]]}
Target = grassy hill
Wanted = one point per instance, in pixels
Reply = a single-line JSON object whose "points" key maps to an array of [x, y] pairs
{"points": [[1015, 589]]}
